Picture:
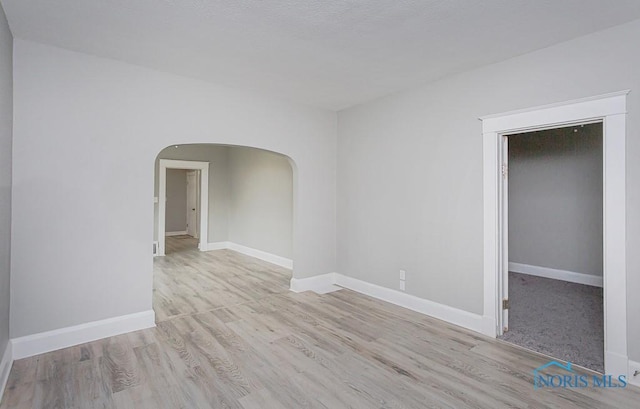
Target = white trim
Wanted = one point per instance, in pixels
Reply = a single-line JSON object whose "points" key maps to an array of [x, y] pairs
{"points": [[321, 284], [262, 255], [203, 167], [5, 368], [634, 380], [611, 110], [43, 342], [259, 254], [452, 315], [551, 115], [175, 233], [219, 245], [546, 272]]}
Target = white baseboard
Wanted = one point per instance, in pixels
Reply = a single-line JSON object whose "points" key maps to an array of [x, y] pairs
{"points": [[219, 245], [262, 255], [633, 367], [30, 345], [321, 284], [175, 233], [5, 368], [556, 274], [327, 282], [465, 319]]}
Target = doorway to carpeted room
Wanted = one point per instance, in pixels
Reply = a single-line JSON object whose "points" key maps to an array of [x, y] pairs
{"points": [[555, 243]]}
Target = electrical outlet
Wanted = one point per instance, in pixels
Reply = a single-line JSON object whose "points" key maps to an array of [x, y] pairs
{"points": [[401, 285], [403, 275]]}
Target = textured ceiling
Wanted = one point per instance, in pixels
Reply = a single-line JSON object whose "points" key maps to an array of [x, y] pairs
{"points": [[327, 53]]}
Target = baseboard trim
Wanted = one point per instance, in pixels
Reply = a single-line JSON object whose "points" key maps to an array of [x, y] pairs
{"points": [[556, 274], [30, 345], [259, 254], [219, 245], [5, 368], [175, 233], [465, 319], [321, 284], [324, 283], [262, 255]]}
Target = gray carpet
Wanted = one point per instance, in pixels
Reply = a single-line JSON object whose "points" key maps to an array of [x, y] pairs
{"points": [[557, 318]]}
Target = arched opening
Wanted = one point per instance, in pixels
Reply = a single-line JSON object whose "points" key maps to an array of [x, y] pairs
{"points": [[224, 218]]}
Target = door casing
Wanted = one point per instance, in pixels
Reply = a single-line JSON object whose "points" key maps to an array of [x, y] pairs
{"points": [[203, 167], [611, 110]]}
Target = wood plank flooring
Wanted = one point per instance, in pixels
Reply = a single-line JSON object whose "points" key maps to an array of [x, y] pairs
{"points": [[230, 335], [187, 281]]}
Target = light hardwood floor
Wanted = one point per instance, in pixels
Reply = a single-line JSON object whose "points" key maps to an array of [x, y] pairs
{"points": [[187, 281], [230, 335]]}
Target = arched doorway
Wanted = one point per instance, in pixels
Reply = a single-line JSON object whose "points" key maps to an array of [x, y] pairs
{"points": [[242, 248]]}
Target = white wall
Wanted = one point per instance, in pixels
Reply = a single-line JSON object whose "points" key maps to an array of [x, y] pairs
{"points": [[176, 210], [410, 167], [217, 156], [6, 130], [555, 199], [261, 207], [110, 119]]}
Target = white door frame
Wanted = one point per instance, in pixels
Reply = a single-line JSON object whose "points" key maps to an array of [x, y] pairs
{"points": [[203, 167], [611, 110], [503, 280]]}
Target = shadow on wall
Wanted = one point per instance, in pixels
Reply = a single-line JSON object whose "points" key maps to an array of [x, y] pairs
{"points": [[251, 198], [555, 199]]}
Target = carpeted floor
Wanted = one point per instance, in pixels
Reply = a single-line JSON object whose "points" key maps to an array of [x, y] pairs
{"points": [[557, 318]]}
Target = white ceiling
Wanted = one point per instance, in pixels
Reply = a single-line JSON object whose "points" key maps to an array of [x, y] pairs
{"points": [[327, 53]]}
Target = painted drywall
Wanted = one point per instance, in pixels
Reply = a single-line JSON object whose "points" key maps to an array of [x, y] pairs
{"points": [[176, 210], [555, 199], [410, 167], [6, 132], [119, 117], [216, 155], [261, 207]]}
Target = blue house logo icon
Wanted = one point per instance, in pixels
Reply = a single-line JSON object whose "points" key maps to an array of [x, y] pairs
{"points": [[541, 380]]}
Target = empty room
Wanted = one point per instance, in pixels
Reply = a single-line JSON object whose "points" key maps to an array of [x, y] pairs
{"points": [[331, 204]]}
